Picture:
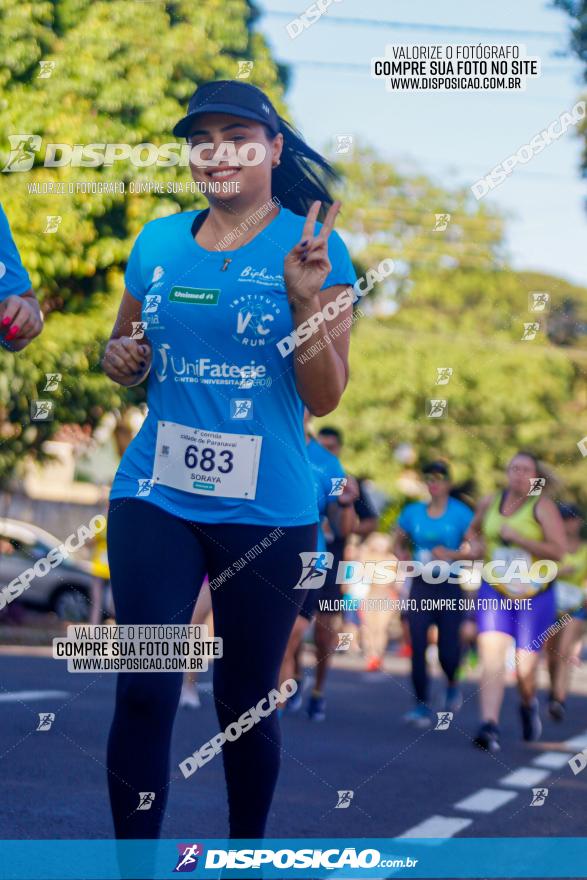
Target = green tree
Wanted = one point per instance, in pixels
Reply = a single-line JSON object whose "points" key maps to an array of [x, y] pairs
{"points": [[504, 393], [577, 11]]}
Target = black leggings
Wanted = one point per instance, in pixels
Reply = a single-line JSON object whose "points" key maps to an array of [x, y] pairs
{"points": [[448, 623], [157, 564]]}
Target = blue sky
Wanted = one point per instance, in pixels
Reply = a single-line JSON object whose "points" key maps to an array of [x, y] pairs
{"points": [[455, 137]]}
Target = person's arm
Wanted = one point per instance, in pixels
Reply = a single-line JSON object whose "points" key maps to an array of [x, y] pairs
{"points": [[474, 534], [127, 361], [401, 544], [321, 361], [341, 513], [21, 319], [367, 519], [365, 526], [554, 544]]}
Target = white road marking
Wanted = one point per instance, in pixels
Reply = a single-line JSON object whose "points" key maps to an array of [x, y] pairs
{"points": [[577, 743], [486, 800], [552, 760], [525, 777], [437, 826], [22, 696]]}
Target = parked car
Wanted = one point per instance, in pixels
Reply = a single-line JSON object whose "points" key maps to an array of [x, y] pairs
{"points": [[65, 589]]}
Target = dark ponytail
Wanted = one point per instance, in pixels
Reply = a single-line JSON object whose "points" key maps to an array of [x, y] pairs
{"points": [[464, 492], [302, 176]]}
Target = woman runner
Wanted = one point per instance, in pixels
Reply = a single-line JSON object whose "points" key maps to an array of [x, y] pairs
{"points": [[220, 465], [514, 526], [435, 531]]}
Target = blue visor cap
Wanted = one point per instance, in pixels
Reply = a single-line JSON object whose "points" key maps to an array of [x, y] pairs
{"points": [[228, 96]]}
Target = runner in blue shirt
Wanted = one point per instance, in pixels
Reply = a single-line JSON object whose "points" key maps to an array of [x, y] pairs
{"points": [[20, 316], [218, 479], [429, 531], [336, 494]]}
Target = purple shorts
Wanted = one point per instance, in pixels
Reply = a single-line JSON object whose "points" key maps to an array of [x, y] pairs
{"points": [[525, 625]]}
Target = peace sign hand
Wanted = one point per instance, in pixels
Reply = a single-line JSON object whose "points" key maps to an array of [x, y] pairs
{"points": [[306, 267]]}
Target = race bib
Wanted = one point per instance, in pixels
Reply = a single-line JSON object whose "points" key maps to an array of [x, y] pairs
{"points": [[207, 462], [514, 559], [569, 597]]}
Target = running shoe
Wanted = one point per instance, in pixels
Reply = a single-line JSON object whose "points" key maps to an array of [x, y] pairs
{"points": [[373, 664], [316, 708], [488, 737], [189, 698], [454, 698], [531, 723], [294, 704], [420, 716], [556, 709]]}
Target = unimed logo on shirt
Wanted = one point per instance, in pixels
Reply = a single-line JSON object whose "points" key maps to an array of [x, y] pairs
{"points": [[195, 296]]}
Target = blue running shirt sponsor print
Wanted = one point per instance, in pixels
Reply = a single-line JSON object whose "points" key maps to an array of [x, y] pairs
{"points": [[224, 438]]}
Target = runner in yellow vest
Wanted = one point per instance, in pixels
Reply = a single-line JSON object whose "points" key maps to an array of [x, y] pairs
{"points": [[513, 529]]}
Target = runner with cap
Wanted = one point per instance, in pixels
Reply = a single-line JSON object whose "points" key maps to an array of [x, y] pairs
{"points": [[218, 478], [429, 531]]}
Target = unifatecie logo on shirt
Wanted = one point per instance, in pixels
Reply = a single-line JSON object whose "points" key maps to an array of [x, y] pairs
{"points": [[194, 296], [207, 372], [255, 317]]}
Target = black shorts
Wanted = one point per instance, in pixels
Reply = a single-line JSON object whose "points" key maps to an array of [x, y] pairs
{"points": [[325, 599]]}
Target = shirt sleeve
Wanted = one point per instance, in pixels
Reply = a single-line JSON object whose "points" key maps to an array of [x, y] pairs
{"points": [[466, 517], [342, 271], [14, 279], [133, 277]]}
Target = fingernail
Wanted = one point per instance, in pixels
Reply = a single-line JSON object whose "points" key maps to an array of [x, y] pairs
{"points": [[304, 243], [5, 321], [143, 364], [144, 350], [13, 331]]}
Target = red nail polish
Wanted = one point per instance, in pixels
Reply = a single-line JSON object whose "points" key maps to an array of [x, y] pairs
{"points": [[5, 321]]}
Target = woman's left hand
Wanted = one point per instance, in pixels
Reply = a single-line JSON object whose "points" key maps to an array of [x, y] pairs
{"points": [[306, 267], [20, 320]]}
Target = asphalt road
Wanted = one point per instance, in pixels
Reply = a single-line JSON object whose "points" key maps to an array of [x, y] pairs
{"points": [[405, 782]]}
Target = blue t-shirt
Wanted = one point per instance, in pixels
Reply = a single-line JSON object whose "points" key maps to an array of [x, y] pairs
{"points": [[327, 471], [427, 532], [223, 440], [14, 279]]}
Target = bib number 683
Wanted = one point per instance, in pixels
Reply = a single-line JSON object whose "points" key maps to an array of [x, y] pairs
{"points": [[205, 459]]}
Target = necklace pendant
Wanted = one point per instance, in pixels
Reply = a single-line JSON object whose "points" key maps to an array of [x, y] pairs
{"points": [[224, 266]]}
